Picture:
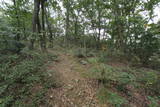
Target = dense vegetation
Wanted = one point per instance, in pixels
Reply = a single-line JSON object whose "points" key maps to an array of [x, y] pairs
{"points": [[119, 39]]}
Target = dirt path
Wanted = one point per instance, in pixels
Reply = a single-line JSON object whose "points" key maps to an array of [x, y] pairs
{"points": [[76, 90]]}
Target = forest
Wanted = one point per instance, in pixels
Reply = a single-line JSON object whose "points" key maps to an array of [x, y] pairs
{"points": [[79, 53]]}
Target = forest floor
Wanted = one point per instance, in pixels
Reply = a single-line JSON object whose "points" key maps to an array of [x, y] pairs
{"points": [[63, 78], [76, 90], [78, 87]]}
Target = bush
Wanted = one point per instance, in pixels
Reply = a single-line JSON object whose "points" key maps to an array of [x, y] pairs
{"points": [[109, 75], [151, 82], [110, 55], [93, 60], [103, 57], [111, 97], [153, 102], [80, 52], [19, 73], [155, 61], [11, 46], [135, 61]]}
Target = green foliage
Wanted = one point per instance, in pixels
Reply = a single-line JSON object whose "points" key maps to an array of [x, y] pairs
{"points": [[153, 101], [39, 97], [109, 75], [150, 78], [135, 61], [91, 53], [11, 46], [155, 61], [150, 81], [120, 78], [127, 35], [80, 52], [110, 54], [19, 73], [93, 60], [6, 101], [113, 98], [103, 57]]}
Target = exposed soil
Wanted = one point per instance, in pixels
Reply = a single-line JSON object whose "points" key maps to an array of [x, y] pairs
{"points": [[75, 90]]}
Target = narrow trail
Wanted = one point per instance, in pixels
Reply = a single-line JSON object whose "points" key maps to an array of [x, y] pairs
{"points": [[76, 90]]}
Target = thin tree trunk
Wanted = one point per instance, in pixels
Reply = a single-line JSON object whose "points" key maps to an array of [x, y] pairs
{"points": [[43, 41], [67, 21], [18, 21], [99, 25], [49, 27], [76, 28], [36, 27]]}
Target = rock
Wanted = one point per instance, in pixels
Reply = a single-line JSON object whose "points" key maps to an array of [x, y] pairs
{"points": [[76, 80], [83, 62], [80, 93], [51, 96], [50, 75], [70, 87]]}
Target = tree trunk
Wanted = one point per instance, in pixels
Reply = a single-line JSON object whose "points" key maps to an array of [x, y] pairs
{"points": [[76, 28], [67, 20], [49, 28], [36, 27], [18, 21], [99, 27], [43, 41], [99, 24]]}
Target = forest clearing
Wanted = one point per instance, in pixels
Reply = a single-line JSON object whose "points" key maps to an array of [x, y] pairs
{"points": [[79, 53]]}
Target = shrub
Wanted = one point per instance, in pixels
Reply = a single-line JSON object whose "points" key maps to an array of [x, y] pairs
{"points": [[155, 61], [153, 102], [149, 81], [93, 60], [90, 53], [11, 46], [109, 55], [80, 52], [103, 57], [109, 75], [111, 97], [19, 73], [135, 61]]}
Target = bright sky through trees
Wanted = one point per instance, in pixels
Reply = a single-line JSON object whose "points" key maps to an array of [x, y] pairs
{"points": [[155, 19]]}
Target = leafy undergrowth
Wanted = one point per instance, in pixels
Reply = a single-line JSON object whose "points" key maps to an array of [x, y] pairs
{"points": [[135, 86], [122, 85], [113, 98], [23, 82]]}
